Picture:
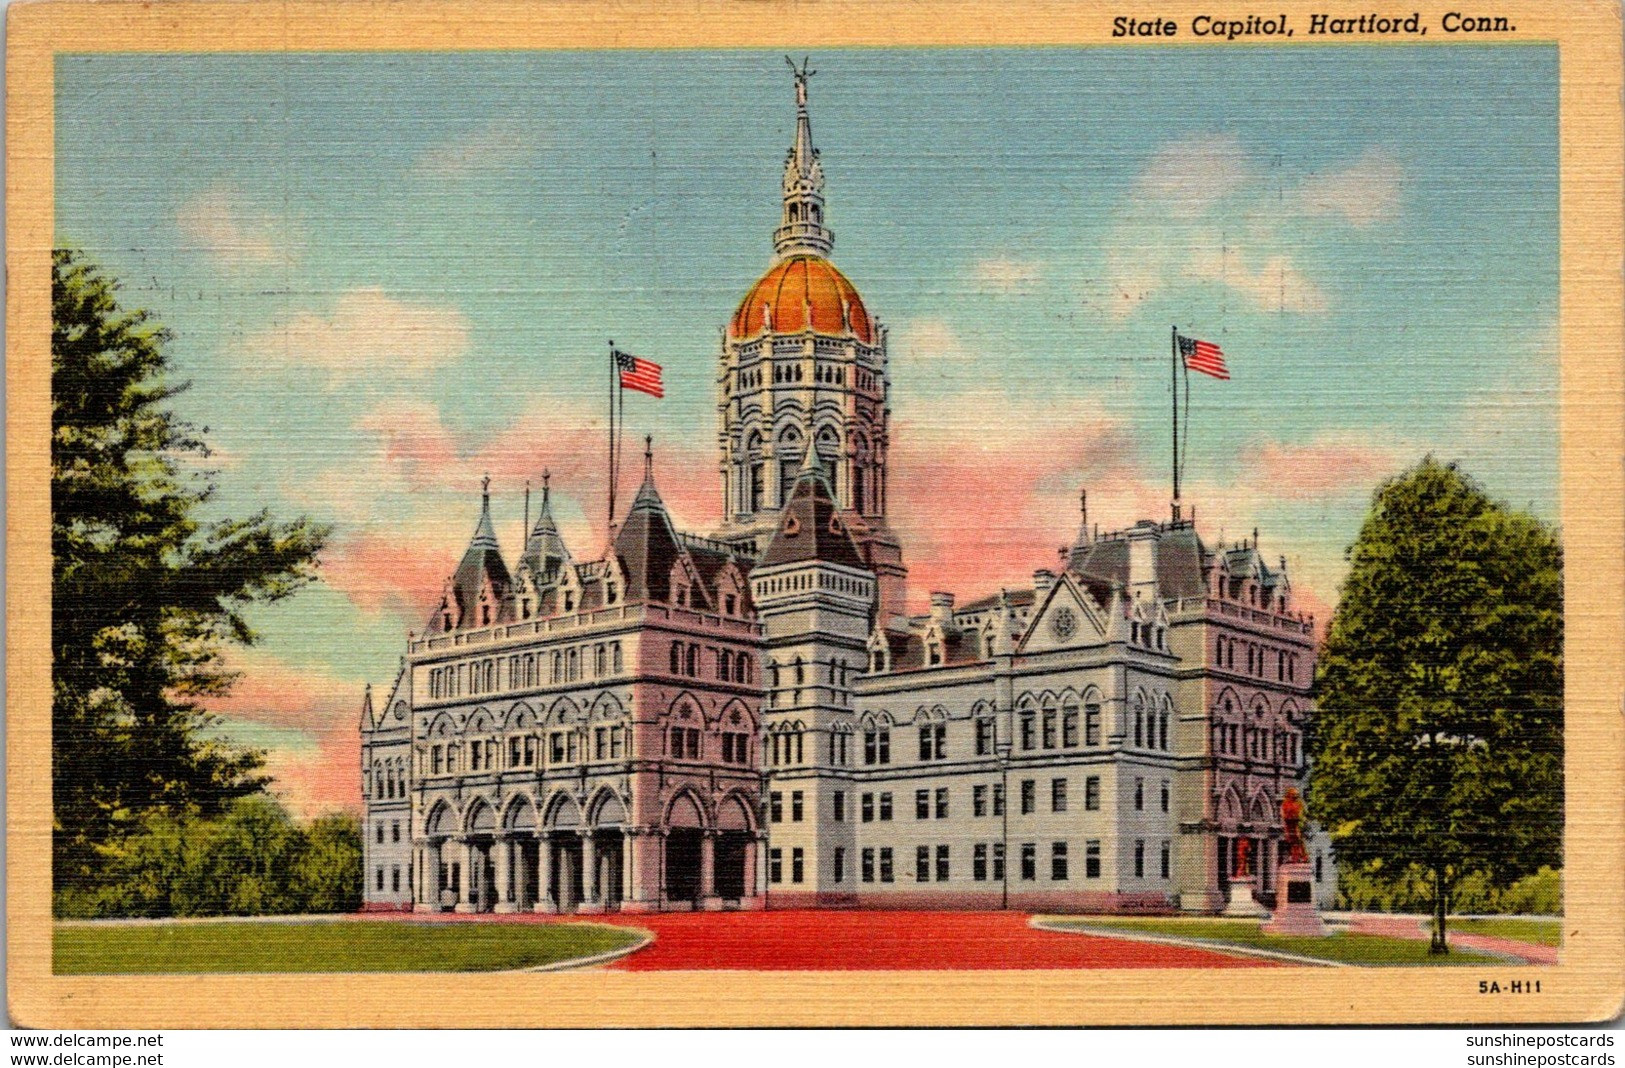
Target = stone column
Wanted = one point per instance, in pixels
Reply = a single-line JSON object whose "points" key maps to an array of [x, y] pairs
{"points": [[640, 865], [626, 866], [465, 889], [591, 896], [421, 894], [504, 873], [709, 901], [753, 894], [545, 902]]}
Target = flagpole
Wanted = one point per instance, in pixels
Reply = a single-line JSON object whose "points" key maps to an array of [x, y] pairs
{"points": [[1173, 388], [611, 444]]}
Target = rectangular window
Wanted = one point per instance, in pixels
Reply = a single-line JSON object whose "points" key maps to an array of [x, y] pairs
{"points": [[775, 865], [797, 864], [871, 747], [1029, 860], [978, 800], [838, 864], [867, 858], [998, 799], [775, 807], [922, 864], [885, 864], [380, 885], [379, 836], [1049, 728], [925, 742], [530, 751], [434, 759], [1165, 795], [395, 831], [795, 809], [513, 752], [1069, 728], [978, 862], [885, 808], [1057, 861], [1029, 796], [942, 802], [939, 741], [1091, 794], [883, 748], [1167, 858], [615, 743], [1139, 858], [838, 806], [395, 879], [984, 737], [1027, 733], [555, 748], [1139, 795], [1091, 859], [998, 862], [1091, 724], [942, 863], [868, 808], [1057, 795], [922, 804], [600, 743]]}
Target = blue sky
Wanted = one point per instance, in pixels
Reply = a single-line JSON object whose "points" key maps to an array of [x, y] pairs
{"points": [[388, 274]]}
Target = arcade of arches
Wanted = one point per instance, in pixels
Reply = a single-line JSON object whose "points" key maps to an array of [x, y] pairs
{"points": [[586, 859]]}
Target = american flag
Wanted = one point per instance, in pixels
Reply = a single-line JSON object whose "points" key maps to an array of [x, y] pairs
{"points": [[1203, 356], [639, 374]]}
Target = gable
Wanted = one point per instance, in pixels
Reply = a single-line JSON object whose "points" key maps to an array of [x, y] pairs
{"points": [[1066, 619]]}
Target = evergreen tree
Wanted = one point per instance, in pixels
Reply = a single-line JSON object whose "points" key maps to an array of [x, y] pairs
{"points": [[1438, 741], [146, 592]]}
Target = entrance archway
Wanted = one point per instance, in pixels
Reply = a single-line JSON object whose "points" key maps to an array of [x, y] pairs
{"points": [[684, 834], [732, 856]]}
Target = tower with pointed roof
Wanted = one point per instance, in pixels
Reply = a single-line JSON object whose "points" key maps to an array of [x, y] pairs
{"points": [[803, 372], [814, 594]]}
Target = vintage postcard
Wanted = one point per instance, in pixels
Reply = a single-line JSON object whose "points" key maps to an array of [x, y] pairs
{"points": [[921, 514]]}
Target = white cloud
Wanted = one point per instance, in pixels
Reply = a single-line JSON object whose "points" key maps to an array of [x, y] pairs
{"points": [[491, 147], [1277, 285], [369, 334], [1002, 275], [1190, 176], [215, 223], [1364, 193], [930, 339]]}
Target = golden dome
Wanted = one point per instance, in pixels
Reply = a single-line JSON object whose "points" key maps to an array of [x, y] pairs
{"points": [[801, 291]]}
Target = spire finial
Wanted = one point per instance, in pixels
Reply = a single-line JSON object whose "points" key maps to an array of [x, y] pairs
{"points": [[801, 226], [485, 487], [648, 457], [546, 477]]}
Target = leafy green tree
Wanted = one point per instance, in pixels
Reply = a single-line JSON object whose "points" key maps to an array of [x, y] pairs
{"points": [[1438, 744], [327, 876], [146, 591]]}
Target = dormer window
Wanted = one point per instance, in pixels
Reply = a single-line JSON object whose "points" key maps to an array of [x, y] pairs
{"points": [[485, 615], [445, 621], [730, 604], [609, 593], [934, 654], [569, 602]]}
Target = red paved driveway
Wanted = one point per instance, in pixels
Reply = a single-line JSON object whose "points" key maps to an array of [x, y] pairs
{"points": [[865, 941], [888, 941]]}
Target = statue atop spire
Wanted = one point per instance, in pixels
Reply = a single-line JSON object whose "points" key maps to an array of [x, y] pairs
{"points": [[801, 229]]}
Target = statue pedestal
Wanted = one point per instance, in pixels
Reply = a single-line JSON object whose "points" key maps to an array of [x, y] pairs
{"points": [[1240, 902], [1295, 912]]}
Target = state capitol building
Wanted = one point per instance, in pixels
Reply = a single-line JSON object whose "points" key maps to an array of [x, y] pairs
{"points": [[750, 719]]}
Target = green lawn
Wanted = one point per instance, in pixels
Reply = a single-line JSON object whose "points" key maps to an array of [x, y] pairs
{"points": [[339, 946], [1542, 932], [1341, 946]]}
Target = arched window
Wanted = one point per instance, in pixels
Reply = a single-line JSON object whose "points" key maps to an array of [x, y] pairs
{"points": [[676, 658], [724, 668], [693, 661], [615, 657]]}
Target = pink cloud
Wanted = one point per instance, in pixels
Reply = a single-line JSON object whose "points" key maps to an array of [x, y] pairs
{"points": [[1322, 467], [379, 572], [279, 694], [310, 784]]}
